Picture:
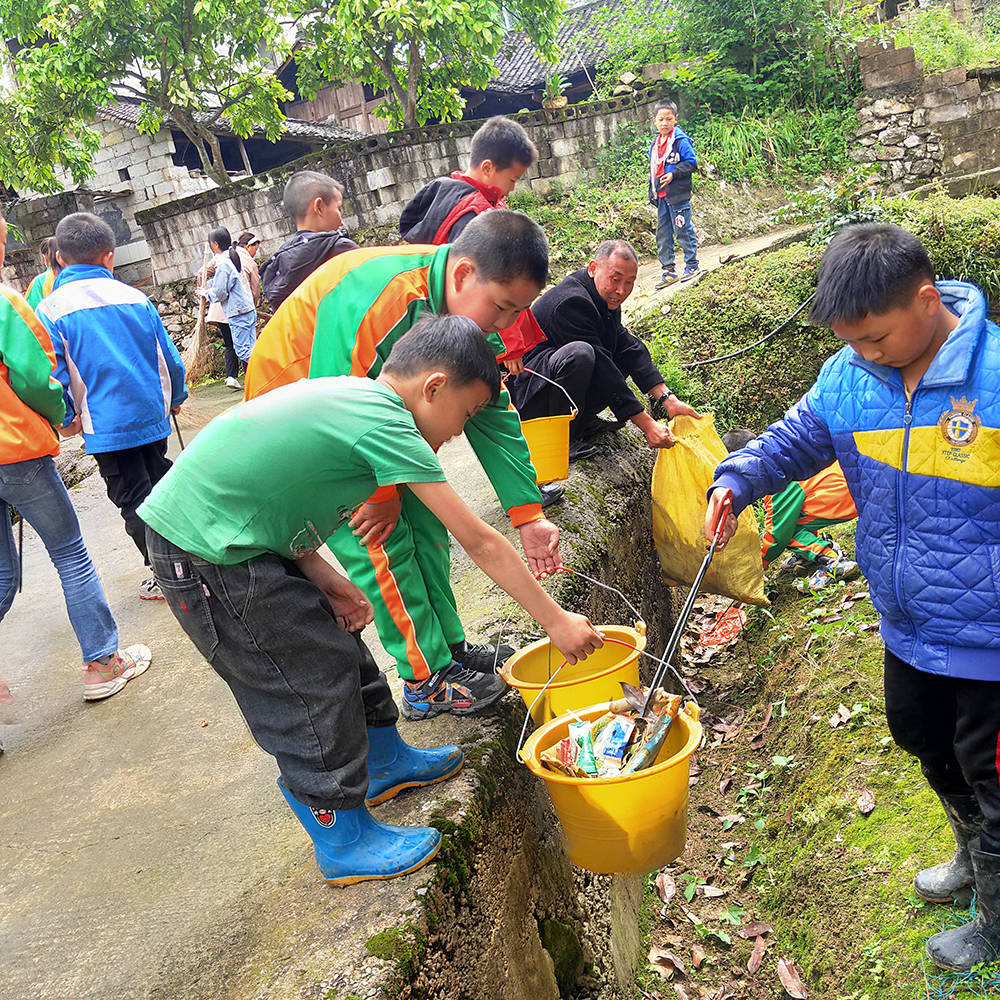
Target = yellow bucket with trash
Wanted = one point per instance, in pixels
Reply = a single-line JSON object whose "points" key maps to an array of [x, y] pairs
{"points": [[548, 439], [597, 678], [630, 823]]}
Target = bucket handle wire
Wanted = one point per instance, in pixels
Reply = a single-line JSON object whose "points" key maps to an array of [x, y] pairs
{"points": [[545, 378]]}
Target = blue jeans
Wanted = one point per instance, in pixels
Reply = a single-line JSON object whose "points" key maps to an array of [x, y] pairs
{"points": [[243, 329], [671, 221], [35, 489]]}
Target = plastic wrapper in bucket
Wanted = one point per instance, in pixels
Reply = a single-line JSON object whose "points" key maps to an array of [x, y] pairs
{"points": [[681, 479]]}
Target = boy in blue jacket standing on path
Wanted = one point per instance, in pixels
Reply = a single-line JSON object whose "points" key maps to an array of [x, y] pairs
{"points": [[671, 163], [121, 374], [911, 409]]}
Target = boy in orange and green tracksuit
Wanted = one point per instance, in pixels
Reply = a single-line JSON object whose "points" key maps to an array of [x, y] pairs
{"points": [[794, 517], [343, 320], [42, 283]]}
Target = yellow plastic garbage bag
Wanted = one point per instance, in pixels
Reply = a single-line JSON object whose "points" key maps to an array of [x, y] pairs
{"points": [[681, 478]]}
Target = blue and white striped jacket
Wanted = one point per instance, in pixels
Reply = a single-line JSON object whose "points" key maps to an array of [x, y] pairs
{"points": [[925, 475], [117, 364]]}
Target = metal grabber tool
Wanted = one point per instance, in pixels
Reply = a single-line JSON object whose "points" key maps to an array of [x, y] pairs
{"points": [[725, 508]]}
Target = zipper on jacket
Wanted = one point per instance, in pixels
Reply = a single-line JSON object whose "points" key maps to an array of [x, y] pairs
{"points": [[897, 566]]}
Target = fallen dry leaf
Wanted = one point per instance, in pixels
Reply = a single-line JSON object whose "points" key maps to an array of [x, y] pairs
{"points": [[710, 891], [697, 955], [682, 994], [789, 977], [666, 886], [756, 929], [757, 955], [724, 785], [841, 716], [666, 963], [866, 801], [757, 742], [767, 716]]}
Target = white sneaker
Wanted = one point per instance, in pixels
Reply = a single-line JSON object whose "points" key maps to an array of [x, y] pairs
{"points": [[102, 680], [233, 383], [149, 590]]}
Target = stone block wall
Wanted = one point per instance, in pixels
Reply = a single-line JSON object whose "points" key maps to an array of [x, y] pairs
{"points": [[919, 128], [381, 173]]}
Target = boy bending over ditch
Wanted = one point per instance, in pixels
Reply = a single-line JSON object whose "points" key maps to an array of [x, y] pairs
{"points": [[235, 531], [911, 409]]}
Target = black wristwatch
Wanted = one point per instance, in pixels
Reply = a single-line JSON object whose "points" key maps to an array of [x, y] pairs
{"points": [[657, 406]]}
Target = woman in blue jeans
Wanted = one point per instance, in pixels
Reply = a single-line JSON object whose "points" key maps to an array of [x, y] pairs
{"points": [[31, 405]]}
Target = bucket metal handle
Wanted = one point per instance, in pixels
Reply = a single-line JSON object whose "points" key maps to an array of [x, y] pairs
{"points": [[545, 378]]}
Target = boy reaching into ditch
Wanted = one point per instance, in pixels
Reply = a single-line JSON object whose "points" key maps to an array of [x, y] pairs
{"points": [[911, 409], [241, 569]]}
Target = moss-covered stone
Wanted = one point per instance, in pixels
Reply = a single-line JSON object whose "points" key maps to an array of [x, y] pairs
{"points": [[563, 946]]}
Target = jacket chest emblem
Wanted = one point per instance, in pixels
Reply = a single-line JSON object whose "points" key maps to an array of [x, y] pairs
{"points": [[960, 425]]}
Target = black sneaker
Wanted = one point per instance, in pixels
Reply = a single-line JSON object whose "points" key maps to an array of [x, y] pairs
{"points": [[598, 426], [480, 657], [580, 451], [455, 690], [552, 493]]}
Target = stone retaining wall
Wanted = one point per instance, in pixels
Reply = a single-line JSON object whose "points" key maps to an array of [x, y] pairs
{"points": [[918, 128], [381, 173]]}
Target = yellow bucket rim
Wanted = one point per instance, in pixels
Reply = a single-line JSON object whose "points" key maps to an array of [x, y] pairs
{"points": [[695, 733], [555, 685], [555, 418]]}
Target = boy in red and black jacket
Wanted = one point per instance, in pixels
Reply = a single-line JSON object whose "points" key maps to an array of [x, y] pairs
{"points": [[501, 154]]}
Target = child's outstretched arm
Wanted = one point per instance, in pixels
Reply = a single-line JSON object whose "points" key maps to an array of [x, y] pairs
{"points": [[796, 447], [572, 634]]}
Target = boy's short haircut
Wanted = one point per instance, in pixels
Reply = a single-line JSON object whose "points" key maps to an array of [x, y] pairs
{"points": [[502, 142], [868, 270], [304, 187], [616, 248], [453, 344], [664, 106], [505, 245], [45, 247], [738, 437], [83, 238]]}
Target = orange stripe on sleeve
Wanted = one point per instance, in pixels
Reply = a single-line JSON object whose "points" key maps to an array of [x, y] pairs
{"points": [[385, 314]]}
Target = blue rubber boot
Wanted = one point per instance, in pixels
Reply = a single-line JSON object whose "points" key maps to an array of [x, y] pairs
{"points": [[394, 765], [352, 847]]}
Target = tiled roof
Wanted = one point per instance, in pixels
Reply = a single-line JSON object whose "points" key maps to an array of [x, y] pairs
{"points": [[126, 113], [519, 66]]}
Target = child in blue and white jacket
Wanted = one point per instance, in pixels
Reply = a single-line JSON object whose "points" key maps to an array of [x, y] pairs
{"points": [[227, 287], [121, 374], [911, 409]]}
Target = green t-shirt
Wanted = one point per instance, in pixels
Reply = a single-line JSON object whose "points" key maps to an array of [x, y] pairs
{"points": [[281, 472]]}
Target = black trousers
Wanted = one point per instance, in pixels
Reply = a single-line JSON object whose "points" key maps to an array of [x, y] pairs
{"points": [[572, 367], [306, 688], [952, 726], [129, 475], [232, 358]]}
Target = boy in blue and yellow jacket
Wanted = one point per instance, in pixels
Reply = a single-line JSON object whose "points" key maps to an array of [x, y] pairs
{"points": [[121, 374], [911, 410]]}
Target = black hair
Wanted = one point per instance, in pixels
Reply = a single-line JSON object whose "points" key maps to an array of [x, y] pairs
{"points": [[868, 269], [504, 246], [54, 256], [453, 344], [304, 187], [738, 437], [221, 238], [616, 248], [502, 142], [45, 247], [245, 239], [664, 106], [82, 238]]}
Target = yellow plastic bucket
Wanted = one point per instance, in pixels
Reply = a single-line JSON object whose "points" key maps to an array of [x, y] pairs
{"points": [[548, 443], [597, 678], [633, 823]]}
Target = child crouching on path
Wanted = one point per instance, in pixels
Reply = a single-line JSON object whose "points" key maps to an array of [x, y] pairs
{"points": [[911, 409], [235, 532]]}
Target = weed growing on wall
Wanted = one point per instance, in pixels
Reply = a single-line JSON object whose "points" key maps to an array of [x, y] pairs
{"points": [[940, 42]]}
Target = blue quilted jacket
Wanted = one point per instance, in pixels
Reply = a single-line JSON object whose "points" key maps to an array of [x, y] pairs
{"points": [[925, 475]]}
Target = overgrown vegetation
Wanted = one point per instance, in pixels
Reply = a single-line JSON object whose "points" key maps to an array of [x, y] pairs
{"points": [[940, 41]]}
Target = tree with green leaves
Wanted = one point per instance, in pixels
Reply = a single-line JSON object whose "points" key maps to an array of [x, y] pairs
{"points": [[198, 63], [420, 53]]}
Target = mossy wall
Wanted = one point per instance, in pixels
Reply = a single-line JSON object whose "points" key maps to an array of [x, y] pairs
{"points": [[736, 305]]}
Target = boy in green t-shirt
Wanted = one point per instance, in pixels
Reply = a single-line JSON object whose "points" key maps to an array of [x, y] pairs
{"points": [[234, 533]]}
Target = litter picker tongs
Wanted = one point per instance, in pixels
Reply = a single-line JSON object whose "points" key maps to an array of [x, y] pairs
{"points": [[725, 508]]}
